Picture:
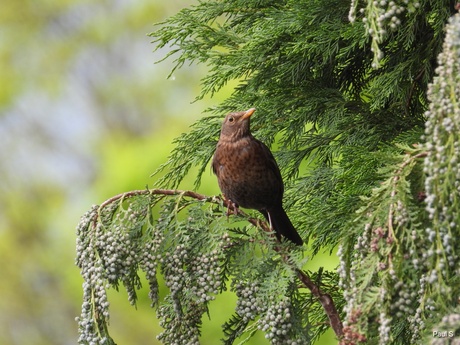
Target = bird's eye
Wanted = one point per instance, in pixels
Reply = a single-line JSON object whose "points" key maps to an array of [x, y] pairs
{"points": [[231, 119]]}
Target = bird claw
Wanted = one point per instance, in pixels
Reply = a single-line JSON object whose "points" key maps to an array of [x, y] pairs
{"points": [[233, 206]]}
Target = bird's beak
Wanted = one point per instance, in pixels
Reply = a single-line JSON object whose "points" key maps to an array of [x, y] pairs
{"points": [[248, 113]]}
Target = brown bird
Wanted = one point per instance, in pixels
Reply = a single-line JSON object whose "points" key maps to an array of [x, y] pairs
{"points": [[248, 175]]}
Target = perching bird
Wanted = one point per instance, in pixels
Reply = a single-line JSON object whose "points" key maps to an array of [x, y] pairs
{"points": [[248, 175]]}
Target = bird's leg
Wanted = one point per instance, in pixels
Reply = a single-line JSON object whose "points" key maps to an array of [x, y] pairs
{"points": [[231, 204], [235, 208], [270, 221], [273, 231]]}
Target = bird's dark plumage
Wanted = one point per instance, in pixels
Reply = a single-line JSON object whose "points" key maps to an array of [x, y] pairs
{"points": [[248, 174]]}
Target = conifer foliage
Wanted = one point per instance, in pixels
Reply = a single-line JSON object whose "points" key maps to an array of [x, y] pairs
{"points": [[366, 94]]}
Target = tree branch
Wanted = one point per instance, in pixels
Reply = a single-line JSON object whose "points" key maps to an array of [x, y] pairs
{"points": [[412, 89], [395, 179], [324, 298]]}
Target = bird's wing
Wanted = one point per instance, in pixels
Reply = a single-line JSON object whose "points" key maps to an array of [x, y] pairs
{"points": [[215, 161], [270, 161]]}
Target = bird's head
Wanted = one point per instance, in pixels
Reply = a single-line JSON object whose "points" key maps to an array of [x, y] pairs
{"points": [[236, 125]]}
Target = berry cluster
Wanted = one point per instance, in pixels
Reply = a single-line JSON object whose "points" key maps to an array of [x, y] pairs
{"points": [[179, 330], [95, 305], [379, 16], [276, 323], [119, 253], [404, 299], [442, 164], [149, 263], [248, 305], [384, 328], [192, 278], [206, 270], [108, 252], [175, 275], [442, 167]]}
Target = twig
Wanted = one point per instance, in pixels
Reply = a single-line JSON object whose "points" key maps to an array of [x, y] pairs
{"points": [[395, 180], [326, 301], [324, 298], [412, 89]]}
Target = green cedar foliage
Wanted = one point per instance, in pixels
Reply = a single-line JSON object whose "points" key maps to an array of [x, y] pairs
{"points": [[346, 89], [197, 252]]}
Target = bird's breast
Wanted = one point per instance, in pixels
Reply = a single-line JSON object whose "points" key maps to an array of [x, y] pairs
{"points": [[246, 174]]}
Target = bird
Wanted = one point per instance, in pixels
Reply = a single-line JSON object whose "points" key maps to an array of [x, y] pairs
{"points": [[248, 175]]}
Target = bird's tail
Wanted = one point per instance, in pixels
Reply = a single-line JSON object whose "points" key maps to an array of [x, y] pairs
{"points": [[282, 225]]}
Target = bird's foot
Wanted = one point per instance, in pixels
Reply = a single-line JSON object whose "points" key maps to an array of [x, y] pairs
{"points": [[231, 208]]}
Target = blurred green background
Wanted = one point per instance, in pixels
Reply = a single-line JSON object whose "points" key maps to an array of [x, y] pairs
{"points": [[84, 114]]}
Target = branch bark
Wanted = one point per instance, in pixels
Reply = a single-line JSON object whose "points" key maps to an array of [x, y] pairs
{"points": [[326, 301]]}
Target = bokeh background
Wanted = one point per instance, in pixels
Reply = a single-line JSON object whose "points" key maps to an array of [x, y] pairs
{"points": [[85, 113]]}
